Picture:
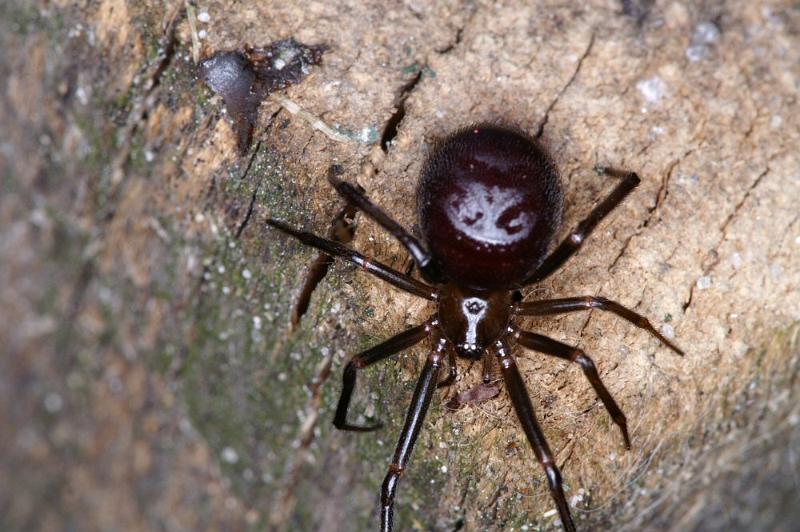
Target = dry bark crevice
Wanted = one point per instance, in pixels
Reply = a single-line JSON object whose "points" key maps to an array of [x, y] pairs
{"points": [[660, 197], [145, 99], [251, 206], [563, 90]]}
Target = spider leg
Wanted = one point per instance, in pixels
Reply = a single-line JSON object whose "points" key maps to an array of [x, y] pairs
{"points": [[342, 230], [571, 304], [411, 428], [335, 249], [573, 242], [452, 370], [393, 345], [487, 367], [355, 196], [527, 418], [546, 345]]}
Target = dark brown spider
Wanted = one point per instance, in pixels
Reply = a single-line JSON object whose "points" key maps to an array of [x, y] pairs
{"points": [[489, 203]]}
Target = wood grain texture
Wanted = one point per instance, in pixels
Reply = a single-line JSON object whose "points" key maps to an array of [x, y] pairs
{"points": [[147, 377]]}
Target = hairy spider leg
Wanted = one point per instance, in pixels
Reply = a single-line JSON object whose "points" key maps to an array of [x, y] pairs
{"points": [[356, 196], [573, 242], [572, 304], [452, 370], [393, 345], [548, 346], [487, 369], [342, 229], [390, 275], [527, 418], [408, 436]]}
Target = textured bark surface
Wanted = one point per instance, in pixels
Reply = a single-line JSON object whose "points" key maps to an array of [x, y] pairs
{"points": [[147, 376]]}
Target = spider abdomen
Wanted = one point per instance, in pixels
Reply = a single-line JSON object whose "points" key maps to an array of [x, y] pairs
{"points": [[489, 203]]}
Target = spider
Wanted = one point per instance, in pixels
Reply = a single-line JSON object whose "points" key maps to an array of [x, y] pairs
{"points": [[489, 204]]}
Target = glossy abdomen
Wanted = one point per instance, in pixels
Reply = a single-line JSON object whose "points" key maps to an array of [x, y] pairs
{"points": [[489, 203]]}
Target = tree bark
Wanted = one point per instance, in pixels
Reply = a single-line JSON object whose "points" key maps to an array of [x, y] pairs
{"points": [[148, 378]]}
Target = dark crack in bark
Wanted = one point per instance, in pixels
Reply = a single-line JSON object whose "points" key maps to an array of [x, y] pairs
{"points": [[252, 204], [724, 227], [390, 129], [581, 59], [661, 195], [459, 34], [663, 190], [713, 254], [450, 46]]}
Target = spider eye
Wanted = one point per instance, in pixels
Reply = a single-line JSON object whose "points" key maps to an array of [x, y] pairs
{"points": [[469, 350]]}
